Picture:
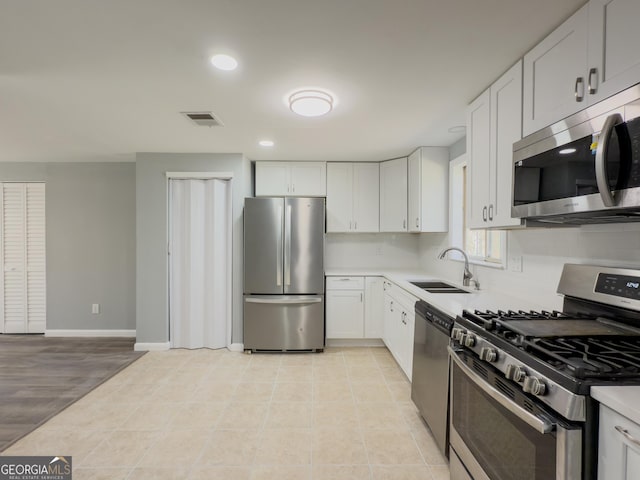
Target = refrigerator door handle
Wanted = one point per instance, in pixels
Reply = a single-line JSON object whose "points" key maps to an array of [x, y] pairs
{"points": [[279, 252], [287, 247], [289, 301]]}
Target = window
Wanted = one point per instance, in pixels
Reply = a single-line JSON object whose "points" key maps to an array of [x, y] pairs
{"points": [[482, 246]]}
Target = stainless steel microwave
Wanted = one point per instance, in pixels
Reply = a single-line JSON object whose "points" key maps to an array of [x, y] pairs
{"points": [[583, 169]]}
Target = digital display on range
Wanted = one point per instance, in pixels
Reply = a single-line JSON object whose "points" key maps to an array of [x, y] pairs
{"points": [[619, 285]]}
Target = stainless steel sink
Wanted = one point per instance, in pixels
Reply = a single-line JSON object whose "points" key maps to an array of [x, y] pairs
{"points": [[438, 287]]}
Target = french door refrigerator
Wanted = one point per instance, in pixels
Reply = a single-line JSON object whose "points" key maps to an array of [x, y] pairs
{"points": [[284, 274]]}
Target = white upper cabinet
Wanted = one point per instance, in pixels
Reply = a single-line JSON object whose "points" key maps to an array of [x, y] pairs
{"points": [[428, 181], [554, 74], [493, 125], [614, 56], [478, 155], [353, 200], [393, 195], [339, 197], [591, 56], [300, 179]]}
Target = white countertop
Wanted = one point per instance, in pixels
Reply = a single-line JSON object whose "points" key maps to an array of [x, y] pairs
{"points": [[624, 400], [450, 303]]}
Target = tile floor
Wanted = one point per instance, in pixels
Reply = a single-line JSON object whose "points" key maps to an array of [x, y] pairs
{"points": [[345, 414]]}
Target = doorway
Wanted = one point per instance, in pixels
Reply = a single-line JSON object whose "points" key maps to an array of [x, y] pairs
{"points": [[23, 299], [200, 261]]}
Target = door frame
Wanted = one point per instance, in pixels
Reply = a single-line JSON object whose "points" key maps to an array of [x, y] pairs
{"points": [[228, 176]]}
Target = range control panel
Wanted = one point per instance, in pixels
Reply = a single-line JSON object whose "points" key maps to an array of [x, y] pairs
{"points": [[618, 285]]}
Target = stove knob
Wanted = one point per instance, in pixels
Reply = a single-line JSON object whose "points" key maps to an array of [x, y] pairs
{"points": [[534, 386], [515, 373], [455, 333], [488, 354], [469, 340]]}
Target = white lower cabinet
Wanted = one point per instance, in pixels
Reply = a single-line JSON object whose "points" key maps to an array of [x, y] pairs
{"points": [[354, 307], [373, 307], [345, 313], [618, 447], [399, 322]]}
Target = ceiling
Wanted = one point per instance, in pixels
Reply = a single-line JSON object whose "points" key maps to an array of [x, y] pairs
{"points": [[95, 80]]}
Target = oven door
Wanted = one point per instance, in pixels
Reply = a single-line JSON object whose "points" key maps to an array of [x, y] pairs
{"points": [[497, 439]]}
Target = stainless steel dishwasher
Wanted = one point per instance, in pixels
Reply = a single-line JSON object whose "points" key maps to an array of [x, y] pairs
{"points": [[430, 378]]}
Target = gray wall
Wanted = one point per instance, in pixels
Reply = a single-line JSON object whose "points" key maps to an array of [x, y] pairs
{"points": [[90, 235], [151, 257]]}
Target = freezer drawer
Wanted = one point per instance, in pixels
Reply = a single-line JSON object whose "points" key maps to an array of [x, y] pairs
{"points": [[283, 322]]}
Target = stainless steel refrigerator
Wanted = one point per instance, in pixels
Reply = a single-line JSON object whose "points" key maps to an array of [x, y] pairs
{"points": [[284, 274]]}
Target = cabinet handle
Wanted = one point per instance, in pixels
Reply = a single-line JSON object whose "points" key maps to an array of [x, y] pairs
{"points": [[579, 81], [391, 306], [417, 223], [491, 212], [361, 299], [355, 225], [593, 86], [627, 435], [350, 223], [288, 188], [293, 187], [484, 213], [404, 224]]}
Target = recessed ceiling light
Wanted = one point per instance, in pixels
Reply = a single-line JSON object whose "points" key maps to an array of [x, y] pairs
{"points": [[567, 151], [266, 143], [458, 129], [311, 103], [224, 62]]}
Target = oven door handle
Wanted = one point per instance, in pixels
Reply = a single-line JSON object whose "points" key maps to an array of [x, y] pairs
{"points": [[539, 424]]}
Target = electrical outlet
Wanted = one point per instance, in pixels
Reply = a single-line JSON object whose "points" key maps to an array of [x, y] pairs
{"points": [[95, 308], [515, 263]]}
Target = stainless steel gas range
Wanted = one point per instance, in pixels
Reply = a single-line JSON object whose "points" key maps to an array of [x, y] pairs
{"points": [[520, 403]]}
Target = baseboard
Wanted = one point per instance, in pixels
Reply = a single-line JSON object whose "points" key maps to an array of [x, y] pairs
{"points": [[236, 347], [354, 342], [151, 347], [90, 333]]}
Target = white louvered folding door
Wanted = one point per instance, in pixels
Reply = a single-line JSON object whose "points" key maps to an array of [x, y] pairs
{"points": [[23, 292]]}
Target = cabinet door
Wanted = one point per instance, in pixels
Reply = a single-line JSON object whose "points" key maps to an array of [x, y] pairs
{"points": [[339, 197], [478, 155], [393, 195], [272, 179], [555, 74], [373, 308], [506, 129], [366, 197], [308, 179], [414, 190], [614, 55], [434, 189], [345, 313], [388, 319], [406, 340], [618, 454]]}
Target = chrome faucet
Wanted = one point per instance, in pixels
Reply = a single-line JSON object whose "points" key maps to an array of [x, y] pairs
{"points": [[467, 276]]}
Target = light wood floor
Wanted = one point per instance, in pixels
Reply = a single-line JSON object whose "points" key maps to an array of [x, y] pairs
{"points": [[203, 414], [41, 376]]}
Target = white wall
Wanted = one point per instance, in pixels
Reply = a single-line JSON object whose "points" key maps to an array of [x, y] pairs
{"points": [[372, 250], [544, 252]]}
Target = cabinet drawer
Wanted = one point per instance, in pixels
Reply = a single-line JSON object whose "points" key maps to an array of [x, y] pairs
{"points": [[345, 283]]}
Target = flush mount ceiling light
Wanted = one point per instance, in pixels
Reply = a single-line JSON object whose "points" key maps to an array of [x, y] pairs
{"points": [[567, 151], [457, 129], [224, 62], [310, 103], [266, 143]]}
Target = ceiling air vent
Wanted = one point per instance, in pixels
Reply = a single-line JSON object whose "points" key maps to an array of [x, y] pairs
{"points": [[204, 119]]}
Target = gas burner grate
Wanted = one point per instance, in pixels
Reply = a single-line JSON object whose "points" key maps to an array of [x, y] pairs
{"points": [[609, 357]]}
